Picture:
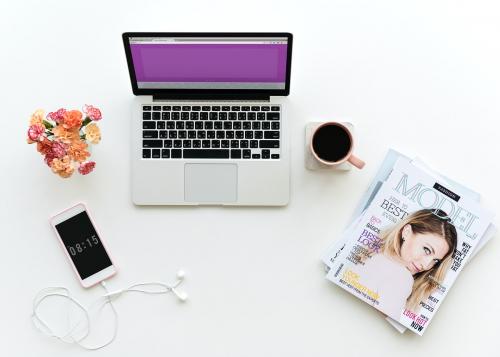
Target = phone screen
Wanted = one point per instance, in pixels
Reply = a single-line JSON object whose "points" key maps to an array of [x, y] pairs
{"points": [[83, 245]]}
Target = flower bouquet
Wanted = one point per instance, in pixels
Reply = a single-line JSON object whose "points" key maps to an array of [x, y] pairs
{"points": [[62, 137]]}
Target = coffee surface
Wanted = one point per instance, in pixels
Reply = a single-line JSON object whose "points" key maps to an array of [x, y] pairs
{"points": [[331, 143]]}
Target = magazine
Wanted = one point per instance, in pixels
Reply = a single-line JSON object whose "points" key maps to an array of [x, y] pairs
{"points": [[408, 246]]}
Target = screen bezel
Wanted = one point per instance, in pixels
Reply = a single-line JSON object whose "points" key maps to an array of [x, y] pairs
{"points": [[97, 277], [230, 93]]}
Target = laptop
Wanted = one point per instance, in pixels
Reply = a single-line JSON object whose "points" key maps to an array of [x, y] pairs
{"points": [[209, 123]]}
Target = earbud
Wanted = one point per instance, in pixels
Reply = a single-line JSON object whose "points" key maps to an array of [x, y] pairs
{"points": [[181, 274], [181, 295]]}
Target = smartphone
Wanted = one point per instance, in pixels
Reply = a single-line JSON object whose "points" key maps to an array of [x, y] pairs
{"points": [[83, 245]]}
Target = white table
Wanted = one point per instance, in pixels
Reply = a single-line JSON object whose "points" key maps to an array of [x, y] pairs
{"points": [[422, 77]]}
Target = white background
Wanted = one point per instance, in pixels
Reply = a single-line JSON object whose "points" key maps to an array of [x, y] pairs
{"points": [[419, 76]]}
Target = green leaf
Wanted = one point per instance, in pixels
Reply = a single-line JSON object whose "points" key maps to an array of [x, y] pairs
{"points": [[83, 137], [86, 121], [47, 124]]}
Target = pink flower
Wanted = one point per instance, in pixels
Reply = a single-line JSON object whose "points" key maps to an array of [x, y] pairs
{"points": [[86, 167], [92, 112], [49, 157], [35, 132], [58, 149], [57, 116]]}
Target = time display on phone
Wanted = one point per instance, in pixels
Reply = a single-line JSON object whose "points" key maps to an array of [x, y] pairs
{"points": [[81, 247]]}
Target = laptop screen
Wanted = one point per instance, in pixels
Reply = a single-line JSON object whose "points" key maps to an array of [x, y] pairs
{"points": [[248, 63]]}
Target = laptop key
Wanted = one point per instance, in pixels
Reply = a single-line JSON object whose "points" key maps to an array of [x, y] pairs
{"points": [[218, 125], [275, 156], [255, 108], [206, 154], [175, 115], [186, 144], [205, 108], [177, 143], [182, 134], [146, 107], [251, 116], [166, 107], [225, 108], [155, 153], [256, 125], [242, 116], [167, 143], [189, 125], [179, 125], [172, 134], [269, 144], [210, 134], [235, 144], [245, 108], [146, 115], [235, 154], [186, 107], [264, 108], [213, 116], [165, 116], [185, 115], [156, 115], [215, 108], [254, 144], [257, 134], [197, 144], [220, 134], [204, 115], [160, 125], [266, 154], [195, 115], [148, 125], [152, 143], [150, 134], [176, 153], [165, 153], [272, 135], [237, 125], [196, 108], [239, 134], [198, 125], [170, 125], [156, 107], [205, 143], [224, 144], [223, 116], [275, 108], [192, 134], [235, 108], [176, 108], [247, 125], [163, 134], [255, 156], [232, 116], [209, 125], [146, 153], [243, 144], [261, 116], [229, 134], [202, 134], [216, 144], [247, 154], [273, 116], [228, 125]]}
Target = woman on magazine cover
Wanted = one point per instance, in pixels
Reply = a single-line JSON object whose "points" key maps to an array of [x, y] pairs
{"points": [[412, 260]]}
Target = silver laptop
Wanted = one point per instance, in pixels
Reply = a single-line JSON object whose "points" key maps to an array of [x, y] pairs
{"points": [[209, 124]]}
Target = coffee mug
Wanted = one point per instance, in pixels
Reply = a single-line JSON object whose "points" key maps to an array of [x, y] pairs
{"points": [[332, 144]]}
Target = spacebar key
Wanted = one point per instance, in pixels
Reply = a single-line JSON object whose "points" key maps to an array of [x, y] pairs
{"points": [[206, 154]]}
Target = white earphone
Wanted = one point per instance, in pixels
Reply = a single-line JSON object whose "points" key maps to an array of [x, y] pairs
{"points": [[69, 336]]}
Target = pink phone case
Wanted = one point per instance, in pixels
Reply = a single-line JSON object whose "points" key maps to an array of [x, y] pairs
{"points": [[66, 252]]}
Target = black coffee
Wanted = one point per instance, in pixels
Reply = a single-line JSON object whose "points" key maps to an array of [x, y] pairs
{"points": [[331, 143]]}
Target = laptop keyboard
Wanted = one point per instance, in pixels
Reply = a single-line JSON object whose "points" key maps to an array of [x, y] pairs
{"points": [[211, 132]]}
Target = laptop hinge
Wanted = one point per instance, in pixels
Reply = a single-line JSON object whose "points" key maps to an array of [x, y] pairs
{"points": [[212, 97]]}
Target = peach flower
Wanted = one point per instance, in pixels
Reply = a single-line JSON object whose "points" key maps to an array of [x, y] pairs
{"points": [[93, 133], [44, 146], [62, 167], [72, 119], [37, 117], [65, 135], [78, 151]]}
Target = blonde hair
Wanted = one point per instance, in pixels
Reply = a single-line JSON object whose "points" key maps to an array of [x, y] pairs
{"points": [[423, 221]]}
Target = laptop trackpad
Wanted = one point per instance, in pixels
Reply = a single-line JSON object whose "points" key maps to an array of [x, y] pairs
{"points": [[211, 183]]}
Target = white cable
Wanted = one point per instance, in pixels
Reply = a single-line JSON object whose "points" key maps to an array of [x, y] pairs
{"points": [[41, 325]]}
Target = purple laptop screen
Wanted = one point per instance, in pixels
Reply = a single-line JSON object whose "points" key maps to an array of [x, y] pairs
{"points": [[209, 63]]}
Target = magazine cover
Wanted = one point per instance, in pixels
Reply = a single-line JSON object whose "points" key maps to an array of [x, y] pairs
{"points": [[409, 246]]}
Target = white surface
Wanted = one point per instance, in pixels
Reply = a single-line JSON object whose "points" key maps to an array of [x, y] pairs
{"points": [[422, 77]]}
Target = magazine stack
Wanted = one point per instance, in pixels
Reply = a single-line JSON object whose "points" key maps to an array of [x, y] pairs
{"points": [[407, 241]]}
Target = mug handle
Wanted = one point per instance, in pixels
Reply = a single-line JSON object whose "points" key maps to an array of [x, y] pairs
{"points": [[356, 161]]}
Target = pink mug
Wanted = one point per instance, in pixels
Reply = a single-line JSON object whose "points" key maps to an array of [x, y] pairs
{"points": [[332, 144]]}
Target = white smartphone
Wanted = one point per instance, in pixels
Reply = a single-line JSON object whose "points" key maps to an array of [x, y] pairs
{"points": [[83, 245]]}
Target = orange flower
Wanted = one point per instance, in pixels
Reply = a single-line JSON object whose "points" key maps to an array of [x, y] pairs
{"points": [[78, 151], [65, 135], [72, 119], [44, 146], [92, 133], [37, 117], [62, 167]]}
